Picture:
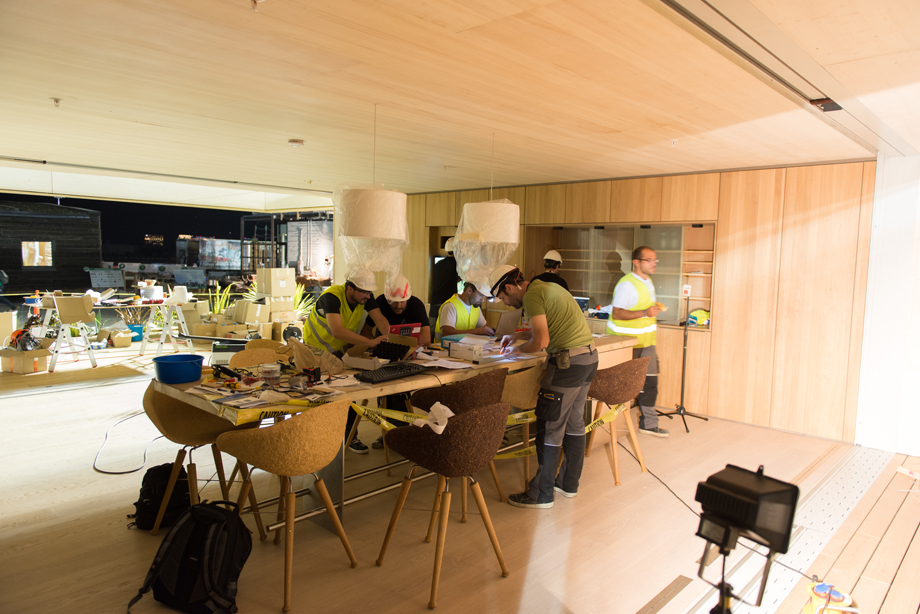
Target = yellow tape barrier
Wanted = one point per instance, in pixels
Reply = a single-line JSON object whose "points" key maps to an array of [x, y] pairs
{"points": [[378, 416], [521, 418], [518, 453], [607, 417]]}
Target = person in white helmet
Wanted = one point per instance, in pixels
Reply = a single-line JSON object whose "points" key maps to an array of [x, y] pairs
{"points": [[333, 324], [552, 262], [558, 325], [444, 280]]}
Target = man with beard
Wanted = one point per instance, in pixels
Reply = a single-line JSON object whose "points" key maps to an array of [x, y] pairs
{"points": [[460, 314]]}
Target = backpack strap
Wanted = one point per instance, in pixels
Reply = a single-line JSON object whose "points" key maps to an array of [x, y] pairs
{"points": [[161, 555]]}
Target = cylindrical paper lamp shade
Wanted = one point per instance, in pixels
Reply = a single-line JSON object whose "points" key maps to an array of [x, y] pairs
{"points": [[378, 214], [487, 236]]}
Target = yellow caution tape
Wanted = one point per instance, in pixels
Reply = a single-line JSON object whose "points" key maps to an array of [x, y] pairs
{"points": [[607, 417], [404, 416], [372, 416], [521, 418], [518, 453], [307, 404]]}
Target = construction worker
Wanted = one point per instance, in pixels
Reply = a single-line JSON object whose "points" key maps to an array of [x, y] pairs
{"points": [[558, 325], [461, 315], [338, 315], [552, 262], [634, 313]]}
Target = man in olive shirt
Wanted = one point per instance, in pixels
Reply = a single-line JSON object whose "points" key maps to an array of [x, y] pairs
{"points": [[557, 324]]}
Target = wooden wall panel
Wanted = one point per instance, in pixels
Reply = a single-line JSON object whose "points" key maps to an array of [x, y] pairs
{"points": [[670, 343], [587, 203], [415, 258], [690, 198], [636, 200], [815, 299], [441, 209], [545, 204], [859, 299], [745, 281]]}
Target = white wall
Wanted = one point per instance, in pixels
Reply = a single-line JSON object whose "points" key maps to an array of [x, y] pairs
{"points": [[888, 411]]}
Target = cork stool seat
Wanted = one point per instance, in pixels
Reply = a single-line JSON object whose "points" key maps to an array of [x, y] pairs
{"points": [[478, 391], [521, 392], [614, 386], [467, 444], [191, 428], [301, 445]]}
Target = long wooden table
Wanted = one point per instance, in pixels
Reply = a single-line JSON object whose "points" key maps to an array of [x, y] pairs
{"points": [[611, 350]]}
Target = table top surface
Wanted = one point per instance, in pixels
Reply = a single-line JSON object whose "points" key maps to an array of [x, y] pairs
{"points": [[429, 379]]}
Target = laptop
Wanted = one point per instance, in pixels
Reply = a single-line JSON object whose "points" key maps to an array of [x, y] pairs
{"points": [[406, 330], [508, 323]]}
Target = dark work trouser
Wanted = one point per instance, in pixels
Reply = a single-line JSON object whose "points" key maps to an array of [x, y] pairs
{"points": [[648, 418]]}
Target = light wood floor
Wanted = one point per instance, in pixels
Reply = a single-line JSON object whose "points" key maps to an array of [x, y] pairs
{"points": [[612, 549]]}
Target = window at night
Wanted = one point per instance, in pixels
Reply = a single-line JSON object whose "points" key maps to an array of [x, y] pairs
{"points": [[36, 253]]}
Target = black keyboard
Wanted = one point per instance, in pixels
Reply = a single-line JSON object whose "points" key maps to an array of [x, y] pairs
{"points": [[388, 372]]}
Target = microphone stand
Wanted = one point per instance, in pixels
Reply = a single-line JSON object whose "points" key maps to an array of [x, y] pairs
{"points": [[681, 410]]}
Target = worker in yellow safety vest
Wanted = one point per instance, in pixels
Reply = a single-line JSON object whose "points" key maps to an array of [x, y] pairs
{"points": [[634, 313], [461, 314], [338, 315]]}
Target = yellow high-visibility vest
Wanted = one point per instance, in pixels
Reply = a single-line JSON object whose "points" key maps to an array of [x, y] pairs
{"points": [[316, 331], [641, 328], [465, 321]]}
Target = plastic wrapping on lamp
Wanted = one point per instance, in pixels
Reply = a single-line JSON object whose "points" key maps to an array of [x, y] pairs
{"points": [[372, 227], [487, 236]]}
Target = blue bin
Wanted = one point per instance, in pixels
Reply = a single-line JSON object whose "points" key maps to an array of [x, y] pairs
{"points": [[178, 368], [138, 330]]}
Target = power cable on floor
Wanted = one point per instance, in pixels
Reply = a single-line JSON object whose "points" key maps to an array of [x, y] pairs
{"points": [[104, 441]]}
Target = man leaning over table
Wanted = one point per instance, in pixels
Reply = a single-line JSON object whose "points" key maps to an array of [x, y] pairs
{"points": [[333, 325], [461, 314], [557, 324], [634, 314]]}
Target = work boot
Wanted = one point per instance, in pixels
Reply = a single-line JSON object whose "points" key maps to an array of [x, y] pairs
{"points": [[572, 463], [540, 488]]}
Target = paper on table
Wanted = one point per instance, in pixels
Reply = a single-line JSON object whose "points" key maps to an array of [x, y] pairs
{"points": [[347, 381], [449, 364], [436, 419], [476, 340]]}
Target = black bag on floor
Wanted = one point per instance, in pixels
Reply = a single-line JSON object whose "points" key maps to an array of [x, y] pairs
{"points": [[153, 487], [199, 562]]}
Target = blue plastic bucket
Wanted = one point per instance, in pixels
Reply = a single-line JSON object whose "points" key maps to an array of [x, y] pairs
{"points": [[178, 368], [138, 330]]}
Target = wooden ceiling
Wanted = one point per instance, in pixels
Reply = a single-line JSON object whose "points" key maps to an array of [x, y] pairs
{"points": [[566, 90]]}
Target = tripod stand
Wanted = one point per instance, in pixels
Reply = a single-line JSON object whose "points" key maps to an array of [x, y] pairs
{"points": [[681, 410]]}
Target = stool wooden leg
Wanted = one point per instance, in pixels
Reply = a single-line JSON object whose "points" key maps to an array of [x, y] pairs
{"points": [[192, 472], [442, 481], [236, 469], [386, 450], [170, 485], [439, 549], [487, 521], [400, 502], [613, 446], [219, 466], [253, 502], [597, 412], [635, 442], [288, 549], [282, 498], [330, 509], [463, 481], [526, 434], [498, 485]]}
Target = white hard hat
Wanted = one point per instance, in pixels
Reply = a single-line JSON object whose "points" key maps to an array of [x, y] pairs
{"points": [[363, 279], [553, 255], [449, 245], [397, 289], [498, 274]]}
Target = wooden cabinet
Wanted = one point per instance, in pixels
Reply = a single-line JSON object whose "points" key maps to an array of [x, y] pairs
{"points": [[690, 198], [670, 342], [545, 204], [636, 201], [415, 259], [587, 203], [747, 250], [441, 209]]}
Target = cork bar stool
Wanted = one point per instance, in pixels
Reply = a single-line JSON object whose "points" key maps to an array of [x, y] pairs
{"points": [[469, 442], [191, 428], [477, 391], [612, 386], [301, 445], [521, 392]]}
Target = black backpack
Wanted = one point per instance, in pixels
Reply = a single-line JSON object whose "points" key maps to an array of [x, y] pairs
{"points": [[200, 560], [153, 487]]}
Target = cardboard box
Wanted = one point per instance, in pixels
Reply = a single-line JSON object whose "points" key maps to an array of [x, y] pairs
{"points": [[250, 312], [121, 340], [203, 330], [283, 316], [34, 361], [276, 282], [8, 323], [226, 330], [281, 303], [73, 309], [265, 330], [278, 329], [191, 315]]}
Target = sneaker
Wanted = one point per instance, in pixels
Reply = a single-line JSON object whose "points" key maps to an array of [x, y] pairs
{"points": [[656, 432], [524, 500], [357, 447], [378, 443], [568, 495]]}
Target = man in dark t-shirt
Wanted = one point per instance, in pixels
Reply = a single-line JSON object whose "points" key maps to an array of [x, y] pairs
{"points": [[444, 280], [552, 262], [398, 306]]}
